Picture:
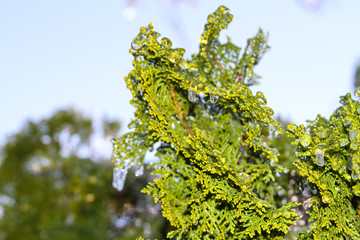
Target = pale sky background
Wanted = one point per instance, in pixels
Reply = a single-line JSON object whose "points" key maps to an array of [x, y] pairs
{"points": [[55, 54]]}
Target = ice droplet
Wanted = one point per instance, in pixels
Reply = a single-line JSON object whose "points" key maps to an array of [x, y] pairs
{"points": [[354, 146], [136, 44], [172, 57], [355, 175], [305, 140], [357, 92], [139, 171], [323, 133], [245, 177], [344, 142], [272, 132], [272, 163], [214, 98], [352, 134], [192, 95], [183, 64], [194, 71], [319, 157]]}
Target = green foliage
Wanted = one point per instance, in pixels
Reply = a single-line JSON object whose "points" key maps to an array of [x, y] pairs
{"points": [[328, 158], [53, 187], [216, 174]]}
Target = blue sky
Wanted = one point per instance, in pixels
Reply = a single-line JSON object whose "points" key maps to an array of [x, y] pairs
{"points": [[55, 54]]}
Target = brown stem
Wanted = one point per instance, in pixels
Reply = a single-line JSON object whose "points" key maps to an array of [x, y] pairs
{"points": [[220, 65], [181, 116]]}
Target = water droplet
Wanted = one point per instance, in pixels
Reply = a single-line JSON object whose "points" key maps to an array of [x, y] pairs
{"points": [[192, 95], [355, 175], [260, 96], [166, 42], [357, 92], [139, 171], [113, 140], [319, 157], [183, 64], [344, 142], [352, 134], [305, 140], [137, 43], [272, 132], [214, 98]]}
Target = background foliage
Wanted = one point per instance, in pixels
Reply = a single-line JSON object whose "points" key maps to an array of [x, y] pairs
{"points": [[54, 186]]}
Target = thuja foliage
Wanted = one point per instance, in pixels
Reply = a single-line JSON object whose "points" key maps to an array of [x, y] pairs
{"points": [[329, 158], [223, 171], [211, 134]]}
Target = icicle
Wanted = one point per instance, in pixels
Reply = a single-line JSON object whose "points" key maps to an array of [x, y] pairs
{"points": [[214, 98], [350, 164], [319, 157], [272, 132], [352, 134], [355, 174], [119, 178], [192, 95], [139, 171], [120, 173], [305, 140]]}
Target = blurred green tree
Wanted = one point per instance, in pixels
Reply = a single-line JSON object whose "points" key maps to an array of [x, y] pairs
{"points": [[357, 77], [53, 185]]}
